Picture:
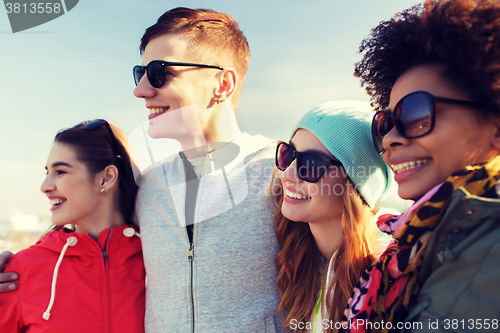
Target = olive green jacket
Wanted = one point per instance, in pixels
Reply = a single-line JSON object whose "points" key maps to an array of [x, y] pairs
{"points": [[460, 273]]}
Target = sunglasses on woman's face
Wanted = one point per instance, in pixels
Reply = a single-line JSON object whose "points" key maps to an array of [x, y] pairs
{"points": [[413, 116], [157, 71], [310, 165]]}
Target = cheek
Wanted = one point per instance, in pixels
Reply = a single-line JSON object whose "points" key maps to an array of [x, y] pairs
{"points": [[328, 191]]}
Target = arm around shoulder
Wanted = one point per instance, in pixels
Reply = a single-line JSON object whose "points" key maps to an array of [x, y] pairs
{"points": [[7, 278], [10, 320]]}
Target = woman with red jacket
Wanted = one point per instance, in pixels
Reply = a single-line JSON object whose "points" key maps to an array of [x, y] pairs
{"points": [[90, 278]]}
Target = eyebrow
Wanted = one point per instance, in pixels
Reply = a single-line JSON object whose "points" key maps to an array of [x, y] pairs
{"points": [[57, 164]]}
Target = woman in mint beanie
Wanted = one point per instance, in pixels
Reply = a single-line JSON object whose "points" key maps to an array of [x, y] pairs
{"points": [[330, 183]]}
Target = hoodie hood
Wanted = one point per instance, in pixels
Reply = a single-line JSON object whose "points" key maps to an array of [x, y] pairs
{"points": [[88, 250], [118, 243]]}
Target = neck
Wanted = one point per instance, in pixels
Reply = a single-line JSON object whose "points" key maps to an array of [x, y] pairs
{"points": [[107, 215], [328, 237], [221, 127]]}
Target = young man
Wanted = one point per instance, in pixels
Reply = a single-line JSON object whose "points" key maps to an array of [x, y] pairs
{"points": [[207, 234]]}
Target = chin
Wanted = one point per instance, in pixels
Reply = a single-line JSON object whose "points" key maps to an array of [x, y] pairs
{"points": [[410, 194], [155, 132], [59, 223], [291, 216]]}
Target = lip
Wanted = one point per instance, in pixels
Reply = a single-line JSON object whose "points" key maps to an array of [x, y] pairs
{"points": [[154, 115], [54, 197], [294, 201], [402, 175]]}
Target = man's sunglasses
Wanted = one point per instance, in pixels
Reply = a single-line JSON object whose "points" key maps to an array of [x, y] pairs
{"points": [[91, 125], [310, 165], [414, 116], [157, 71]]}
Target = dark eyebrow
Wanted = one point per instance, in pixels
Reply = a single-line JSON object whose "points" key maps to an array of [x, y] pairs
{"points": [[57, 164]]}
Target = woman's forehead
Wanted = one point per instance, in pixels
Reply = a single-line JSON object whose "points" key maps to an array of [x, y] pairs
{"points": [[304, 140]]}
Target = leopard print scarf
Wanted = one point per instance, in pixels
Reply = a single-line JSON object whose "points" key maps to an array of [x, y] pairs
{"points": [[388, 289]]}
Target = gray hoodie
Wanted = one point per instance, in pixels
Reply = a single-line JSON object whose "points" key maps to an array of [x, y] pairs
{"points": [[225, 280]]}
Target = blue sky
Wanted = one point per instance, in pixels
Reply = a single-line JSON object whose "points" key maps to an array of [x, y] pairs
{"points": [[79, 67]]}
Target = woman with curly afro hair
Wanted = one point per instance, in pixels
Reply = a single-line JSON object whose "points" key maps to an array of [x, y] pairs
{"points": [[433, 74]]}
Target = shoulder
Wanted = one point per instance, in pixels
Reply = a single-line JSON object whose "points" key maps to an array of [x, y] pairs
{"points": [[255, 142], [155, 175], [256, 147], [29, 260]]}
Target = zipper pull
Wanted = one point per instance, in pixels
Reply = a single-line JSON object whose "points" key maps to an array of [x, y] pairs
{"points": [[191, 252], [105, 256]]}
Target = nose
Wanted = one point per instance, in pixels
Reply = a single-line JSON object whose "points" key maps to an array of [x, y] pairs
{"points": [[290, 174], [47, 185], [393, 139], [144, 89]]}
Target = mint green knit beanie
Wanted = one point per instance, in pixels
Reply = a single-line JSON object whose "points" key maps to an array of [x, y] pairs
{"points": [[344, 128]]}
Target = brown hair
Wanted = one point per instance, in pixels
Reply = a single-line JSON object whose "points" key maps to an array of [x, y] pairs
{"points": [[461, 37], [215, 36], [299, 261]]}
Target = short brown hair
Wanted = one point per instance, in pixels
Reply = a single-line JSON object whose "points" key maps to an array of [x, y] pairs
{"points": [[221, 40], [461, 37]]}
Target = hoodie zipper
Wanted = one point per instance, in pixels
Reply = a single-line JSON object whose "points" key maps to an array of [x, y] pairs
{"points": [[190, 236], [104, 251], [106, 295], [190, 259]]}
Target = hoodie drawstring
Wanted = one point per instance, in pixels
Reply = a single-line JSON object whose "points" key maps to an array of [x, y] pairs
{"points": [[71, 241], [129, 232]]}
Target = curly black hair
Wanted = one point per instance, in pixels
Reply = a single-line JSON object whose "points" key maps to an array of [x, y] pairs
{"points": [[462, 37]]}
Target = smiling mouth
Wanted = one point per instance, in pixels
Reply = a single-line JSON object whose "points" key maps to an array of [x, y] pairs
{"points": [[294, 195], [56, 202], [154, 111], [405, 166]]}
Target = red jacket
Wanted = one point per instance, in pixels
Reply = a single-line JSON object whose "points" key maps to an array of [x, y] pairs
{"points": [[100, 286]]}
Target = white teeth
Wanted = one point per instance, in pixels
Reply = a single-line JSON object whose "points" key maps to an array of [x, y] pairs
{"points": [[55, 202], [296, 195], [408, 165], [157, 110]]}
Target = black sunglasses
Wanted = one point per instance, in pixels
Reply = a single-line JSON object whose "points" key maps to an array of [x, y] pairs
{"points": [[310, 165], [157, 71], [414, 116], [90, 125]]}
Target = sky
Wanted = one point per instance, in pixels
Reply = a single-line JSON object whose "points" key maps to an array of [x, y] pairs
{"points": [[79, 67]]}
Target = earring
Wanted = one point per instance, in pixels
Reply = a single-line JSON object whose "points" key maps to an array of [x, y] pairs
{"points": [[103, 190], [218, 100]]}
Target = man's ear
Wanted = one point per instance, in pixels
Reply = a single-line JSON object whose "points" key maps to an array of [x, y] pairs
{"points": [[227, 85], [108, 178]]}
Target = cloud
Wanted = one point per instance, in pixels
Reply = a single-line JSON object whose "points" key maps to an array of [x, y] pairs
{"points": [[24, 222]]}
